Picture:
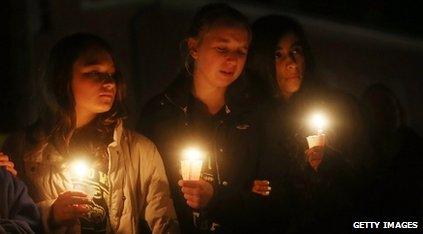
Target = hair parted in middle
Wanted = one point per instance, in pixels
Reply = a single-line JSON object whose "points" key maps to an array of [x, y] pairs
{"points": [[267, 32], [209, 16]]}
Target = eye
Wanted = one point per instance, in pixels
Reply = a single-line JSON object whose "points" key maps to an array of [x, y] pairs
{"points": [[92, 74], [222, 50], [279, 55], [242, 53], [99, 76], [297, 50]]}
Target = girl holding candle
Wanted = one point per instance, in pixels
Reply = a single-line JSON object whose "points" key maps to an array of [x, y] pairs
{"points": [[84, 94], [209, 107], [318, 181]]}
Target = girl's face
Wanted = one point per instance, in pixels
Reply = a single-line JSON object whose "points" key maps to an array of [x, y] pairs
{"points": [[93, 85], [290, 65], [219, 54]]}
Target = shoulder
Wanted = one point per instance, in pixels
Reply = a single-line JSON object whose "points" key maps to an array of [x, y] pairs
{"points": [[139, 143], [156, 101], [137, 139]]}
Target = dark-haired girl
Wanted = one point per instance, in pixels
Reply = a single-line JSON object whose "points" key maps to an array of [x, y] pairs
{"points": [[305, 190], [122, 181]]}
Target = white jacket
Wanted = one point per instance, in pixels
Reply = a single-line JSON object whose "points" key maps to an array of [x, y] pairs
{"points": [[137, 183]]}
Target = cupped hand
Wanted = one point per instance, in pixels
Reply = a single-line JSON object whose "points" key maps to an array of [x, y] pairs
{"points": [[197, 193], [314, 156], [69, 206]]}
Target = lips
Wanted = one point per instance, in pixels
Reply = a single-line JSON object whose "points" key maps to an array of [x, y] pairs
{"points": [[229, 73], [292, 76], [106, 94]]}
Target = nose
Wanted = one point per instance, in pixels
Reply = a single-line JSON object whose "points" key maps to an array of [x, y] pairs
{"points": [[232, 58], [108, 83], [292, 62]]}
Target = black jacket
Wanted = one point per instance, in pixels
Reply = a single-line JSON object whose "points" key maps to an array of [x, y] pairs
{"points": [[301, 200], [168, 121]]}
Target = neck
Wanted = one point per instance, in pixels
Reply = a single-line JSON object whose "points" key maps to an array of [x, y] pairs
{"points": [[83, 118], [213, 97], [286, 96]]}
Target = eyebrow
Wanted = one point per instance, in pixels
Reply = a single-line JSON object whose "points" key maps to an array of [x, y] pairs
{"points": [[297, 43], [224, 40], [92, 62]]}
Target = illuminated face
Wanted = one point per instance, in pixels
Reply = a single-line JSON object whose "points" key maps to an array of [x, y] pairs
{"points": [[289, 61], [219, 55], [93, 86]]}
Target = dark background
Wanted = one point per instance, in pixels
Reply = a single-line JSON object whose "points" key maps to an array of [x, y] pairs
{"points": [[356, 43]]}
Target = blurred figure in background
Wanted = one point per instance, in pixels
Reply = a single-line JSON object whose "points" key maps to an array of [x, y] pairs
{"points": [[395, 189]]}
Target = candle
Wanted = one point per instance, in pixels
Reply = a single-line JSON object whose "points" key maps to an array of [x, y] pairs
{"points": [[318, 122], [191, 164], [80, 172]]}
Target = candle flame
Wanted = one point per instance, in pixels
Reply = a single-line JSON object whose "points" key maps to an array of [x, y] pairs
{"points": [[319, 121], [79, 168], [192, 154]]}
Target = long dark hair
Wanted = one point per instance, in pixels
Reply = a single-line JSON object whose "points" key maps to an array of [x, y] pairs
{"points": [[206, 17], [57, 120], [267, 32]]}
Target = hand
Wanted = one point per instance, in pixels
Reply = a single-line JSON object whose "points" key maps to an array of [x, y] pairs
{"points": [[261, 187], [68, 207], [197, 192], [314, 156], [10, 166]]}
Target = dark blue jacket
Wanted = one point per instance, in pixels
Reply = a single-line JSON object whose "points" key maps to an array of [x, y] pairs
{"points": [[18, 213]]}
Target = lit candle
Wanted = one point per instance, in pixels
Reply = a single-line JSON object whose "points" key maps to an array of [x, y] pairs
{"points": [[318, 122], [80, 172], [191, 164]]}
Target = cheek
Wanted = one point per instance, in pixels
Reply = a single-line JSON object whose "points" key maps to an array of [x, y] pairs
{"points": [[301, 64], [83, 91], [279, 70]]}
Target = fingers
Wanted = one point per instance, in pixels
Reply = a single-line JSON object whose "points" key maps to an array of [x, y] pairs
{"points": [[7, 163], [70, 205], [189, 183], [10, 166], [3, 157], [314, 157], [261, 187], [197, 193], [73, 193], [191, 191], [73, 198], [12, 171]]}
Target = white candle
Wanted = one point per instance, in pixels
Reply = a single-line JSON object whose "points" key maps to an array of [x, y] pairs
{"points": [[318, 122], [191, 164]]}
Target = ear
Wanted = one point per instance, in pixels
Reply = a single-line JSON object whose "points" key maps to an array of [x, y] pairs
{"points": [[192, 47]]}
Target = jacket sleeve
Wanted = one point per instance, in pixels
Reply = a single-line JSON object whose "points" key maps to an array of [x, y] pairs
{"points": [[159, 211], [19, 214]]}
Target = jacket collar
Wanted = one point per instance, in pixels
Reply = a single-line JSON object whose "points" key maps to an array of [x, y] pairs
{"points": [[179, 93], [117, 134]]}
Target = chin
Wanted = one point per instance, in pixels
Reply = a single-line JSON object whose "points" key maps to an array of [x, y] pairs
{"points": [[103, 108], [225, 82]]}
